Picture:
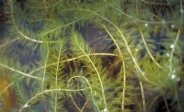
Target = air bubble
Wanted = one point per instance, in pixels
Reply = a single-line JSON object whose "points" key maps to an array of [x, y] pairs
{"points": [[104, 110], [146, 24], [136, 49], [173, 76], [171, 46], [95, 93], [172, 26], [26, 105], [181, 11]]}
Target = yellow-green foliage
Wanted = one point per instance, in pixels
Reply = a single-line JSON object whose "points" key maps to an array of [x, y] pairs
{"points": [[93, 56]]}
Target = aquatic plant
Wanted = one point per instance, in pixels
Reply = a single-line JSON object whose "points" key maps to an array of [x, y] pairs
{"points": [[92, 56]]}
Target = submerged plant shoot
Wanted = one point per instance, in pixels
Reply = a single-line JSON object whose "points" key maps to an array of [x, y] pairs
{"points": [[91, 56]]}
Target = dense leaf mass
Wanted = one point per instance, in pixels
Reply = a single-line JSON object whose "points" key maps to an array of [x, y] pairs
{"points": [[91, 55]]}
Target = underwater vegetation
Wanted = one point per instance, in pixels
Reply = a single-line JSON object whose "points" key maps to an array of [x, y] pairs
{"points": [[91, 56]]}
